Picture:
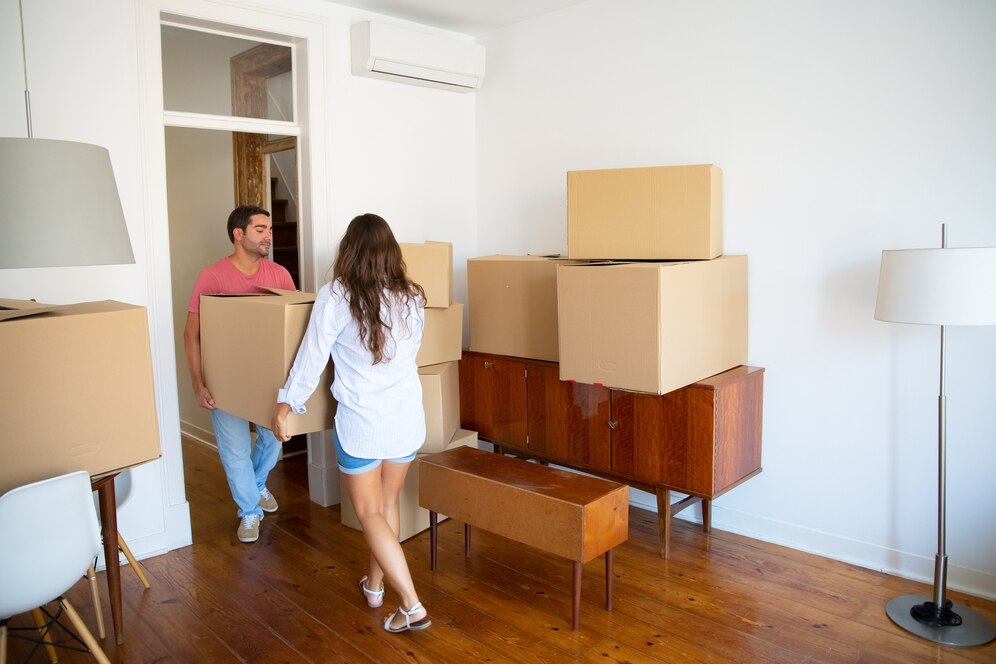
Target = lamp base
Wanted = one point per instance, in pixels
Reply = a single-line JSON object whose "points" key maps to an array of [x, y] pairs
{"points": [[974, 630]]}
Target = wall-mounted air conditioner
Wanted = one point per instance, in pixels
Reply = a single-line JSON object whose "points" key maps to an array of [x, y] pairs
{"points": [[408, 56]]}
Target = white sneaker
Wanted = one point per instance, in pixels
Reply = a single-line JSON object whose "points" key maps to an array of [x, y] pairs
{"points": [[249, 528]]}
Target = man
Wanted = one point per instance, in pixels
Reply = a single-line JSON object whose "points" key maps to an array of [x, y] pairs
{"points": [[246, 270]]}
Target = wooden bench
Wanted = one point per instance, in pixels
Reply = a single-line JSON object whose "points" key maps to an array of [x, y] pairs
{"points": [[558, 512]]}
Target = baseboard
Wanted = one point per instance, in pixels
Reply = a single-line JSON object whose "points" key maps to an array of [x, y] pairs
{"points": [[177, 518], [194, 432], [855, 552]]}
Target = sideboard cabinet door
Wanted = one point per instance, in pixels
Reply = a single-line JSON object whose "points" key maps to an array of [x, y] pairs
{"points": [[493, 398], [568, 421], [648, 442]]}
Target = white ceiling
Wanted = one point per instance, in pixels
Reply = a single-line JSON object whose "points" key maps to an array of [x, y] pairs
{"points": [[472, 17]]}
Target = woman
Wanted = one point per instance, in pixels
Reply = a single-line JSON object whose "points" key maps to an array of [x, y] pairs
{"points": [[369, 319]]}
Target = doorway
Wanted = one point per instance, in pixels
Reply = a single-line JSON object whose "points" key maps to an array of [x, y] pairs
{"points": [[215, 87]]}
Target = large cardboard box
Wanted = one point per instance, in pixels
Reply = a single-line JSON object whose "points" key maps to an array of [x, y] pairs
{"points": [[659, 213], [652, 327], [414, 519], [248, 345], [78, 390], [442, 337], [513, 305], [441, 401], [430, 265]]}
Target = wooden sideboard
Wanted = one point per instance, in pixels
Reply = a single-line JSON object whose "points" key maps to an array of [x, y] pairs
{"points": [[701, 440]]}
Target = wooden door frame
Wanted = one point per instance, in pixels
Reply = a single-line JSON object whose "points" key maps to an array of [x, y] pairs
{"points": [[250, 71]]}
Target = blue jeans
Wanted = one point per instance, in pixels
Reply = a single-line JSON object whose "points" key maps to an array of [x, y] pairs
{"points": [[246, 466]]}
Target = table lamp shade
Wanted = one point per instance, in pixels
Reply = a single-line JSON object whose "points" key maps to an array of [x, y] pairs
{"points": [[954, 286], [59, 205]]}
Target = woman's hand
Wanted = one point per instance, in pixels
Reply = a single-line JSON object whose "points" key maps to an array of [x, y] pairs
{"points": [[278, 424]]}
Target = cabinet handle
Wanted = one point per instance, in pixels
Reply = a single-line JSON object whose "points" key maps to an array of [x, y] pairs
{"points": [[613, 424], [487, 364]]}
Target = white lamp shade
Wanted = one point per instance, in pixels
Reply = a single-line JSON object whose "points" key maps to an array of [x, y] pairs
{"points": [[953, 286], [59, 205]]}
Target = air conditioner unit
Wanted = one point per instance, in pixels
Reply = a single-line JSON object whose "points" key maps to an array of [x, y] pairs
{"points": [[387, 51]]}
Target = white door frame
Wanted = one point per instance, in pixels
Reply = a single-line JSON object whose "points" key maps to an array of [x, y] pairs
{"points": [[307, 34]]}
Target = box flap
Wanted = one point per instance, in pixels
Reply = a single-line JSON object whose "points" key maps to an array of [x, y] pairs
{"points": [[276, 296], [19, 308]]}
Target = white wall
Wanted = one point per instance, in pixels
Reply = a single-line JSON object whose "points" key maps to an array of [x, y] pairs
{"points": [[407, 153], [843, 128]]}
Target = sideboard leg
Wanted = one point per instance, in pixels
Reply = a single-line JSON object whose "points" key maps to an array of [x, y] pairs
{"points": [[664, 520], [706, 514]]}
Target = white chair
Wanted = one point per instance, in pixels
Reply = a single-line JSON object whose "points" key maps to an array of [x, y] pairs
{"points": [[50, 535]]}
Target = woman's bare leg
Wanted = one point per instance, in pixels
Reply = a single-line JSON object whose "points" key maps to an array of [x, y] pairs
{"points": [[391, 485], [375, 498]]}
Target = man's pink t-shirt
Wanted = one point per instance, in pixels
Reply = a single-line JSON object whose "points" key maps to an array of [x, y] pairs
{"points": [[222, 277]]}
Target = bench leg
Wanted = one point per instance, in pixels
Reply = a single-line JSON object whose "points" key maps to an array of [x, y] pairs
{"points": [[432, 540], [608, 578], [576, 622], [466, 540]]}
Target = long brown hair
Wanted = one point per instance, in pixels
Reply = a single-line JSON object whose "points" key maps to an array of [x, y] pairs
{"points": [[370, 266]]}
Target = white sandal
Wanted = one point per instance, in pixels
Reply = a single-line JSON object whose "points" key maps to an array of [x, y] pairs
{"points": [[409, 625], [375, 598]]}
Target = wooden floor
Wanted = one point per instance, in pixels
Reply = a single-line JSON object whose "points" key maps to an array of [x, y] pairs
{"points": [[292, 597]]}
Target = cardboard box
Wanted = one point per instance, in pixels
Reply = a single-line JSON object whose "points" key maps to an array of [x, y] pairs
{"points": [[248, 345], [442, 337], [441, 401], [652, 327], [78, 390], [660, 213], [430, 265], [414, 519], [513, 305]]}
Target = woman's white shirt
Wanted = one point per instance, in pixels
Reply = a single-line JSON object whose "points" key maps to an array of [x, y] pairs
{"points": [[379, 413]]}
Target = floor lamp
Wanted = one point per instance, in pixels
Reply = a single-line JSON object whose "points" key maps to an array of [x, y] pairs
{"points": [[939, 287]]}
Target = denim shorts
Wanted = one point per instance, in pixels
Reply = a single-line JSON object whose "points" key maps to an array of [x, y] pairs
{"points": [[357, 466]]}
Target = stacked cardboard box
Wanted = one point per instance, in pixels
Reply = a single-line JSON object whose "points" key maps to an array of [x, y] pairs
{"points": [[513, 305], [606, 318], [649, 326], [430, 264]]}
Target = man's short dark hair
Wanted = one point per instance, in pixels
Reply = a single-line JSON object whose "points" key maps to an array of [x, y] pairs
{"points": [[240, 218]]}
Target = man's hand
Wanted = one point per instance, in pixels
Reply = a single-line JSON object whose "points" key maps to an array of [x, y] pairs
{"points": [[278, 424], [204, 398]]}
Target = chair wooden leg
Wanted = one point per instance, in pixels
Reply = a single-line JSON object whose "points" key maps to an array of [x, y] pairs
{"points": [[3, 643], [46, 637], [98, 609], [134, 563], [85, 635]]}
